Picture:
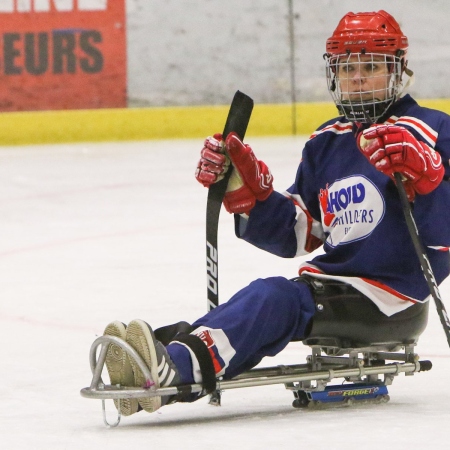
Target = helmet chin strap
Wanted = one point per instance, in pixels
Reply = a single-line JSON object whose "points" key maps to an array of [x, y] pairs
{"points": [[410, 82], [363, 112]]}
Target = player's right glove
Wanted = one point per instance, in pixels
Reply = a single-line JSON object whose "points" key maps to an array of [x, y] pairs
{"points": [[250, 181], [213, 163]]}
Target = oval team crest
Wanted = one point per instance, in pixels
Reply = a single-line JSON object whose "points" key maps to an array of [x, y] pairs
{"points": [[351, 209]]}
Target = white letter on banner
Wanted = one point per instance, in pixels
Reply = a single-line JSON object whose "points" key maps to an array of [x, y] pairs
{"points": [[41, 5], [93, 5], [7, 6], [60, 5], [23, 5]]}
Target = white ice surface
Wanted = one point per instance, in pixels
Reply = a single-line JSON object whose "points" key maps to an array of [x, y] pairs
{"points": [[94, 233]]}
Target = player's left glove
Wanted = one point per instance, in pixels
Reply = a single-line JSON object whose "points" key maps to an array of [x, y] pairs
{"points": [[391, 149], [250, 181]]}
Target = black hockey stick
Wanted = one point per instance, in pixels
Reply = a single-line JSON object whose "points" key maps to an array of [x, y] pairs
{"points": [[237, 121], [423, 259]]}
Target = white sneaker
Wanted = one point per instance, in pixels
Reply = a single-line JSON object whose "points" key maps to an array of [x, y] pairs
{"points": [[119, 368], [163, 371]]}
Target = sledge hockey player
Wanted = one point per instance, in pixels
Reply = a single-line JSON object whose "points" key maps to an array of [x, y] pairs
{"points": [[343, 198]]}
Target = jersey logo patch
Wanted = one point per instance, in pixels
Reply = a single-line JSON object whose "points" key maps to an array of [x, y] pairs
{"points": [[351, 209]]}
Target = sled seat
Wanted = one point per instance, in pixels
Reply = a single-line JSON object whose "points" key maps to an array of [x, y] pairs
{"points": [[347, 320]]}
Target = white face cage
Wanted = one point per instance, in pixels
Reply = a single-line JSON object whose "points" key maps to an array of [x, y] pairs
{"points": [[364, 86]]}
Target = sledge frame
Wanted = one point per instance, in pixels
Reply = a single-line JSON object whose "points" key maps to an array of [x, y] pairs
{"points": [[362, 365]]}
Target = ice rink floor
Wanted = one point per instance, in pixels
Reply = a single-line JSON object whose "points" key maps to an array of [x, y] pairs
{"points": [[91, 233]]}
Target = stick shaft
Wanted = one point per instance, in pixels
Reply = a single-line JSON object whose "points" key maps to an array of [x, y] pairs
{"points": [[237, 121], [423, 258]]}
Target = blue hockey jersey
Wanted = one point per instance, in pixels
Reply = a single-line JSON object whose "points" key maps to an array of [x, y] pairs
{"points": [[339, 200]]}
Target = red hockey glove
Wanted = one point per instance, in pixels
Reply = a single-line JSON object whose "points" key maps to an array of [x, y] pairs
{"points": [[250, 181], [213, 162], [392, 149]]}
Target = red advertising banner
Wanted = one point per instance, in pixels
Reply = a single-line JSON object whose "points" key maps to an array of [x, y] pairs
{"points": [[62, 54]]}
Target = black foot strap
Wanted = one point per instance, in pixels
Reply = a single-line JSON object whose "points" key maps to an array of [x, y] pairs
{"points": [[204, 359], [167, 334]]}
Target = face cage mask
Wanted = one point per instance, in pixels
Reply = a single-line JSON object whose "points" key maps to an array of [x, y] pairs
{"points": [[346, 75]]}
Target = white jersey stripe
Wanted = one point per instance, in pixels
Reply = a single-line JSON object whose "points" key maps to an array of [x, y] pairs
{"points": [[388, 301], [421, 127], [337, 128]]}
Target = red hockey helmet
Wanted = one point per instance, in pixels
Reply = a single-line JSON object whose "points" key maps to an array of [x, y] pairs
{"points": [[360, 41], [368, 32]]}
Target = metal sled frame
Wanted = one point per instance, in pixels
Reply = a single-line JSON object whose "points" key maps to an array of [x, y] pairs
{"points": [[362, 366]]}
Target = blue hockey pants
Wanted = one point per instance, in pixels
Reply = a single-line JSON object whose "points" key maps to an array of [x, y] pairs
{"points": [[258, 321]]}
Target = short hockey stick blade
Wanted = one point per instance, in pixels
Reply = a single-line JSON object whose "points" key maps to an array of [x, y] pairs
{"points": [[237, 121], [423, 258]]}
